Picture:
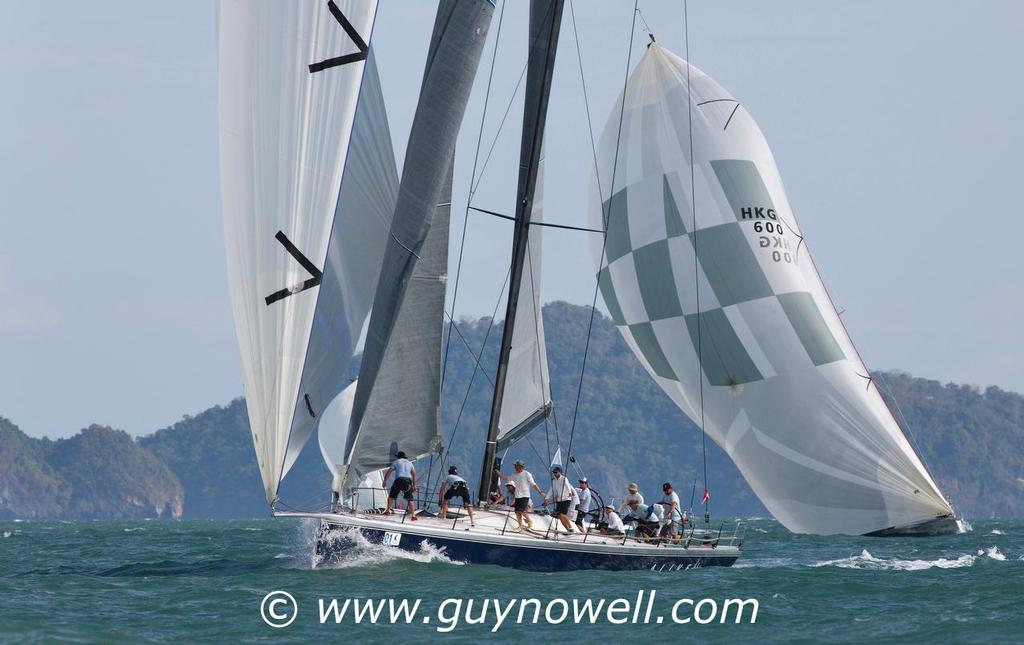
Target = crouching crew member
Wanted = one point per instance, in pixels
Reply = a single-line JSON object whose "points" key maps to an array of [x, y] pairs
{"points": [[455, 486]]}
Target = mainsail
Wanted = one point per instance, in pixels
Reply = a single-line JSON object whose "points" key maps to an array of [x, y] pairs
{"points": [[460, 30], [545, 24], [308, 189], [715, 292], [527, 400]]}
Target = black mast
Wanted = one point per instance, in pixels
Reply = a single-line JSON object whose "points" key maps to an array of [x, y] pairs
{"points": [[545, 21]]}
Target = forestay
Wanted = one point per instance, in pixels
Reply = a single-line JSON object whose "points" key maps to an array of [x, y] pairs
{"points": [[305, 213], [784, 391]]}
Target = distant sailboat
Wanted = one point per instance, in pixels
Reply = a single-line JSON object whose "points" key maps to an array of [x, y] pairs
{"points": [[322, 235]]}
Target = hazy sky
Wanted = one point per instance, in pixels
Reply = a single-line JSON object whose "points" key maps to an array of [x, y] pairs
{"points": [[896, 127]]}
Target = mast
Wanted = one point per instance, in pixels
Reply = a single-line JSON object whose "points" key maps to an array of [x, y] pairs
{"points": [[545, 21]]}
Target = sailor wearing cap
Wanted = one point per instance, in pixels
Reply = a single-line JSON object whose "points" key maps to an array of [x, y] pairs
{"points": [[561, 494], [583, 494], [612, 524], [454, 485], [634, 494], [523, 482]]}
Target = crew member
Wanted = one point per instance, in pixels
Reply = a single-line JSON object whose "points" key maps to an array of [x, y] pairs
{"points": [[584, 495], [634, 494], [670, 501], [561, 495], [455, 486], [612, 524], [405, 483], [524, 483]]}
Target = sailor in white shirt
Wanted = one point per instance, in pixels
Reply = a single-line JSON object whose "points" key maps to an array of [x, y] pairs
{"points": [[523, 481], [561, 494], [613, 521], [673, 513], [648, 518], [634, 494], [584, 495]]}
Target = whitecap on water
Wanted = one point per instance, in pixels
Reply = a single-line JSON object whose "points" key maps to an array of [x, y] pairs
{"points": [[762, 563], [7, 534], [997, 532], [869, 562], [364, 553], [132, 530], [992, 552]]}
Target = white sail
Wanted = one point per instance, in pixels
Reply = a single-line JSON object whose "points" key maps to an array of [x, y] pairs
{"points": [[332, 432], [527, 399], [784, 391], [291, 77]]}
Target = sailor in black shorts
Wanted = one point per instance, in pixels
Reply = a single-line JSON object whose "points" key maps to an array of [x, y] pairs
{"points": [[404, 484], [562, 494], [455, 486]]}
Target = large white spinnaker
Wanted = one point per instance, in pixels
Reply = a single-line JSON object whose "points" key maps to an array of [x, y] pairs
{"points": [[527, 400], [308, 185], [784, 391]]}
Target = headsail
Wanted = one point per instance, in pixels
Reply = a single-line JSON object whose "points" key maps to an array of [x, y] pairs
{"points": [[460, 30], [527, 400], [732, 297], [291, 77], [403, 412]]}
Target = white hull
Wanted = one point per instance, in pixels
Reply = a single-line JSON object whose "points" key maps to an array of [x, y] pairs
{"points": [[492, 541]]}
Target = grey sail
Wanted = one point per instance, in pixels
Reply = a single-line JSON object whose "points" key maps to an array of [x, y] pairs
{"points": [[403, 412], [460, 30]]}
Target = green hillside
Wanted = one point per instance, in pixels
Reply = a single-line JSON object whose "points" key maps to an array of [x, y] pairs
{"points": [[627, 430]]}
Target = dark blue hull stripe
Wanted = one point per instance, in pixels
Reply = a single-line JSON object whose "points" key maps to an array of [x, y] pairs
{"points": [[532, 558]]}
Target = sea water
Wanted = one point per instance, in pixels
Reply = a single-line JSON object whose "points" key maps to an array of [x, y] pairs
{"points": [[189, 581]]}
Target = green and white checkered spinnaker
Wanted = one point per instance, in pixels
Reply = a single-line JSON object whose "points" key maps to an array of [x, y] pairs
{"points": [[714, 290]]}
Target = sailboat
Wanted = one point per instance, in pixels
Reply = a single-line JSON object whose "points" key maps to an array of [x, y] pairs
{"points": [[699, 261]]}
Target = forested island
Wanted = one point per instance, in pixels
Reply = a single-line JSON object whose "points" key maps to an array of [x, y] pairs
{"points": [[627, 430]]}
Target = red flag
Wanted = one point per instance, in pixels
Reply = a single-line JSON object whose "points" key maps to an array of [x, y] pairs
{"points": [[706, 498]]}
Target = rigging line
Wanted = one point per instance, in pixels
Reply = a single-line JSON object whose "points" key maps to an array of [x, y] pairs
{"points": [[604, 216], [906, 424], [586, 100], [543, 224], [647, 27], [452, 325], [696, 267], [465, 218], [501, 125], [472, 376]]}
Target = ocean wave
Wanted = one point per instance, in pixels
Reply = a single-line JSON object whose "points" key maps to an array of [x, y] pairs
{"points": [[997, 532], [363, 553], [992, 552], [132, 530], [869, 562], [763, 563], [7, 534]]}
